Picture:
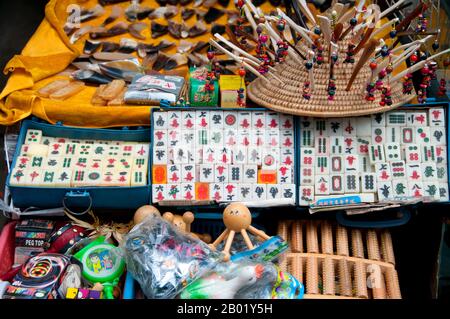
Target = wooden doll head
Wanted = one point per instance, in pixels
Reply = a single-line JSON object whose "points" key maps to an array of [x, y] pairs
{"points": [[144, 211], [236, 217], [181, 222]]}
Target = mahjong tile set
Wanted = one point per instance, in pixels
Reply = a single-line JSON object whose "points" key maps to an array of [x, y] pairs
{"points": [[62, 162], [394, 155], [222, 155]]}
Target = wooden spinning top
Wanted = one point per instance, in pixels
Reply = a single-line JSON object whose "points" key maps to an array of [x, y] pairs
{"points": [[237, 218]]}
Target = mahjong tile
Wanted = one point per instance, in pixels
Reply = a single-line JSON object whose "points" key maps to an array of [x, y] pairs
{"points": [[174, 120], [441, 154], [18, 177], [126, 150], [396, 119], [160, 138], [94, 177], [306, 194], [336, 164], [436, 116], [393, 134], [244, 120], [383, 171], [113, 150], [400, 188], [384, 191], [398, 170], [351, 183], [85, 149], [254, 155], [272, 138], [188, 173], [307, 156], [267, 176], [416, 119], [230, 138], [376, 154], [230, 120], [286, 122], [188, 120], [414, 172], [47, 140], [259, 120], [66, 162], [423, 135], [350, 145], [55, 149], [412, 153], [174, 174], [441, 172], [159, 193], [438, 135], [307, 137], [174, 138], [160, 120], [124, 163], [334, 127], [37, 161], [230, 192], [336, 145], [81, 162], [320, 127], [24, 150], [322, 165], [284, 175], [378, 135], [138, 178], [215, 137], [443, 192], [337, 184], [259, 192], [139, 163], [431, 189], [362, 145], [23, 162], [415, 189], [79, 177], [216, 120], [159, 174], [306, 122], [429, 172], [349, 126], [250, 174], [270, 158], [322, 146], [307, 176], [351, 163], [273, 191], [63, 178], [287, 138], [33, 136], [257, 138], [206, 173], [235, 173], [95, 163], [216, 192], [202, 191], [379, 120], [91, 142], [272, 120], [35, 150], [364, 164], [102, 142], [174, 192], [287, 156], [109, 163], [188, 191], [198, 155], [202, 119], [363, 125], [369, 182], [221, 173], [392, 152], [240, 155], [109, 178], [288, 191], [224, 155], [160, 155], [209, 154], [244, 138], [180, 155], [428, 153], [407, 135], [322, 185]]}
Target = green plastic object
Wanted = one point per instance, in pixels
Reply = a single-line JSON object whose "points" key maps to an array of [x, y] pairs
{"points": [[198, 96], [100, 265]]}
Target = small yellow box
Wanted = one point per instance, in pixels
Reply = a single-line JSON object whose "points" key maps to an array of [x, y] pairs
{"points": [[229, 85]]}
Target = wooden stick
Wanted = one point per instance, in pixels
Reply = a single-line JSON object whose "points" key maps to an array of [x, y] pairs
{"points": [[407, 20], [347, 15], [391, 8], [247, 240], [362, 60], [250, 19], [229, 241], [325, 26], [253, 8], [304, 8], [401, 47], [414, 33], [220, 238], [273, 34], [366, 38], [258, 232], [337, 31], [384, 27], [296, 27]]}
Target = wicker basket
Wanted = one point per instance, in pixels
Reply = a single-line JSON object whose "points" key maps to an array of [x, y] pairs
{"points": [[334, 262]]}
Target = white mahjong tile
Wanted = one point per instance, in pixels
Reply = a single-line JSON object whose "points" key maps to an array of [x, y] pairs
{"points": [[244, 138], [383, 171], [55, 149], [272, 138], [307, 176], [180, 155], [392, 152], [337, 184], [398, 170], [18, 177], [33, 136], [273, 191], [378, 135], [306, 194], [428, 153], [216, 191], [250, 174], [37, 162], [443, 192], [257, 138], [174, 120], [94, 178], [244, 120], [24, 150], [215, 137], [230, 120], [438, 135], [396, 119], [188, 173], [400, 188], [336, 164], [160, 138], [109, 178], [138, 177], [160, 155], [422, 135], [306, 122], [307, 156], [235, 173], [287, 156], [384, 191], [429, 172], [24, 162], [221, 173], [376, 154], [79, 177], [159, 192], [286, 122], [66, 162], [408, 135], [198, 155], [288, 191], [415, 189], [123, 163], [322, 185], [174, 192], [160, 120], [412, 153], [270, 158], [126, 150], [240, 155], [123, 177], [139, 163], [224, 155], [63, 178], [95, 163], [349, 126], [35, 150], [209, 154], [287, 138], [89, 142], [82, 162], [230, 138], [284, 175], [258, 120], [441, 172], [188, 120], [431, 190], [336, 145], [413, 172], [111, 150], [363, 125], [307, 137], [272, 120], [362, 145], [102, 142], [47, 140], [259, 192], [322, 165], [378, 120], [254, 155], [206, 173], [351, 163], [416, 119], [436, 116], [351, 183], [350, 145], [202, 119], [174, 138], [174, 174], [320, 127], [188, 191], [334, 127], [441, 154], [393, 134], [230, 192], [364, 164], [216, 120], [322, 146], [369, 182]]}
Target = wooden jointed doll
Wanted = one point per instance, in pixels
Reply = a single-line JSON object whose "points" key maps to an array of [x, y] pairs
{"points": [[184, 222], [237, 219]]}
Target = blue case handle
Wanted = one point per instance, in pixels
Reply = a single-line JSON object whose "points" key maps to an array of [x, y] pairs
{"points": [[77, 195], [343, 220]]}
